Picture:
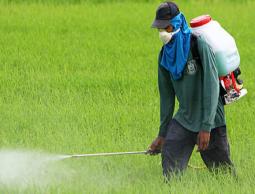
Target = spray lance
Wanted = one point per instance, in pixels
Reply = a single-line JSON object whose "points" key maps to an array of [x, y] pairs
{"points": [[147, 152], [113, 154]]}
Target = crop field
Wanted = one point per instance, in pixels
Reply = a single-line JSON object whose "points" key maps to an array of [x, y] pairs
{"points": [[81, 77]]}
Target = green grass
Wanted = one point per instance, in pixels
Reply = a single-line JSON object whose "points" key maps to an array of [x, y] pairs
{"points": [[82, 78]]}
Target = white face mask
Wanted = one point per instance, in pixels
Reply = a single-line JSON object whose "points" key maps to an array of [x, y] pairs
{"points": [[166, 36]]}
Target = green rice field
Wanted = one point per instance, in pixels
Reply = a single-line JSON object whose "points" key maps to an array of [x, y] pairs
{"points": [[81, 77]]}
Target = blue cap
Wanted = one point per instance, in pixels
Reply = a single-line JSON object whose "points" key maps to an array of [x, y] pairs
{"points": [[165, 12]]}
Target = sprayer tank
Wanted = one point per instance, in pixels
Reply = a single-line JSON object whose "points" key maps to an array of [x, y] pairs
{"points": [[221, 42]]}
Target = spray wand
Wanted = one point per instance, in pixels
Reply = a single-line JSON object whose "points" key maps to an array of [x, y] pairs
{"points": [[108, 154], [123, 153]]}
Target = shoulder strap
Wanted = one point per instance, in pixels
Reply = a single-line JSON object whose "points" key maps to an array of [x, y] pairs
{"points": [[194, 48]]}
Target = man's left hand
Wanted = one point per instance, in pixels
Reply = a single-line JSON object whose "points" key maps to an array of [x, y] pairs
{"points": [[203, 139]]}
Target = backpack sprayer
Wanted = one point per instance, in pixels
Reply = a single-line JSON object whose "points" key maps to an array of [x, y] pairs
{"points": [[226, 54]]}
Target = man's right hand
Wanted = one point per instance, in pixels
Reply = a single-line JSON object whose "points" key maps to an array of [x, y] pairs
{"points": [[155, 147]]}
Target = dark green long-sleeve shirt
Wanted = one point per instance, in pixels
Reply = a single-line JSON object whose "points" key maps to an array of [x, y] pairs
{"points": [[200, 107]]}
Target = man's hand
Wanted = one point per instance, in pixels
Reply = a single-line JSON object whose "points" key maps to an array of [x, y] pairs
{"points": [[155, 147], [203, 139]]}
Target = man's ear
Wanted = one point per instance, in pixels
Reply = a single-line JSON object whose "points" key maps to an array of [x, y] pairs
{"points": [[169, 28]]}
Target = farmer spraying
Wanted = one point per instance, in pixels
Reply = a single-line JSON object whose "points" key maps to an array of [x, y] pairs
{"points": [[187, 70]]}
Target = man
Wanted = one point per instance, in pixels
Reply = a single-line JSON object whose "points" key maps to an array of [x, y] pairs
{"points": [[192, 78]]}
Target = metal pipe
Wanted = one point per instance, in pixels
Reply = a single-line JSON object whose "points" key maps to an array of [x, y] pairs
{"points": [[107, 154]]}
